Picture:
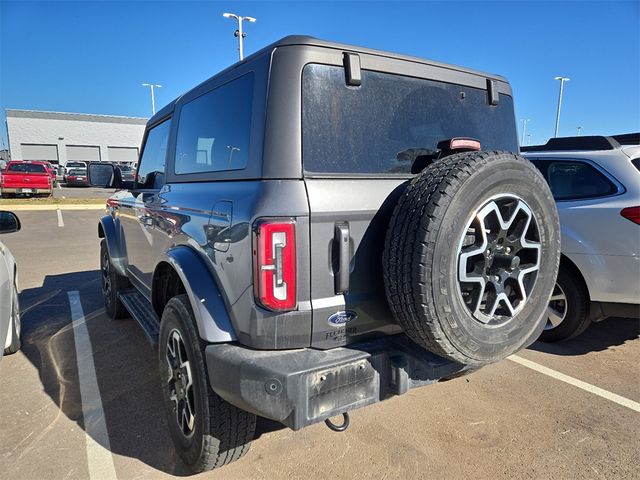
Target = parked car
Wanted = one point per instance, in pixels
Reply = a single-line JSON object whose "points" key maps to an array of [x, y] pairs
{"points": [[10, 326], [596, 183], [71, 166], [77, 177], [28, 178], [366, 231], [126, 172]]}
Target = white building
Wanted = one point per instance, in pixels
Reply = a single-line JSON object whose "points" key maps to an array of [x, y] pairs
{"points": [[60, 137]]}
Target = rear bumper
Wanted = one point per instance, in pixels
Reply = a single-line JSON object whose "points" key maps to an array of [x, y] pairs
{"points": [[36, 190], [305, 386]]}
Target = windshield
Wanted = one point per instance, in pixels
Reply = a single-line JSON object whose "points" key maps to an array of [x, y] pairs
{"points": [[75, 164], [381, 126], [77, 172], [26, 168]]}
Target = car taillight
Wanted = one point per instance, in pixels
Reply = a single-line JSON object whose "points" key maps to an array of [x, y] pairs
{"points": [[274, 258], [631, 213]]}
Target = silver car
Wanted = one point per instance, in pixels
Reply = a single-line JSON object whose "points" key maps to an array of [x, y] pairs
{"points": [[596, 184], [9, 307]]}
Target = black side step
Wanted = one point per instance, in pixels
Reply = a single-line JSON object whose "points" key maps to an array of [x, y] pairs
{"points": [[140, 309]]}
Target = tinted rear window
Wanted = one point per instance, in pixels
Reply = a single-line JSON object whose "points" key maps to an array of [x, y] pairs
{"points": [[27, 168], [377, 128]]}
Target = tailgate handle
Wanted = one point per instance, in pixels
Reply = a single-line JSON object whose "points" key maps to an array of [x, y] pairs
{"points": [[341, 237]]}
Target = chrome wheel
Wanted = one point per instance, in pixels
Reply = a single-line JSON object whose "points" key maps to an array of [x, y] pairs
{"points": [[180, 381], [498, 259], [557, 310]]}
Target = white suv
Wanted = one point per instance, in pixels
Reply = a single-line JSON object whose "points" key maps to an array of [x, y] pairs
{"points": [[596, 183]]}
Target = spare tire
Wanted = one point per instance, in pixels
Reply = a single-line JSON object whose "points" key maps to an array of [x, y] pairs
{"points": [[471, 256]]}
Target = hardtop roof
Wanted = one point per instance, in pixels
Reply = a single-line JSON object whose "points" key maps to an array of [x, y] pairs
{"points": [[304, 40]]}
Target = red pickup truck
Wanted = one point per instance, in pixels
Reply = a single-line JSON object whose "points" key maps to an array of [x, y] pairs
{"points": [[30, 178]]}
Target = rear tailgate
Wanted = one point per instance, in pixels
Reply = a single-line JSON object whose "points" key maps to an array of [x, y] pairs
{"points": [[26, 181], [358, 146]]}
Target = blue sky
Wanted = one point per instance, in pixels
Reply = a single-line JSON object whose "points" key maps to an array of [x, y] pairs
{"points": [[91, 57]]}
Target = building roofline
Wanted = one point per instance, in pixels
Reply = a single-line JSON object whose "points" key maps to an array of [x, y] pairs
{"points": [[80, 117]]}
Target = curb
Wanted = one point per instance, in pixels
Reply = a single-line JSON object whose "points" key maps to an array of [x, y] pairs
{"points": [[17, 208]]}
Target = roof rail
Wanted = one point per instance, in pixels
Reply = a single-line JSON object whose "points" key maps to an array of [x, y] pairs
{"points": [[628, 138], [595, 142]]}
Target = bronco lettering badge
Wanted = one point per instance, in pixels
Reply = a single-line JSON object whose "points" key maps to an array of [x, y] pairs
{"points": [[341, 318]]}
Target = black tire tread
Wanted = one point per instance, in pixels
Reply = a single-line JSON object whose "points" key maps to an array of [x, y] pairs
{"points": [[230, 429], [117, 310], [578, 316], [408, 256]]}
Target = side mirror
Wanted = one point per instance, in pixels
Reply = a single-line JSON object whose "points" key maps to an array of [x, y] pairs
{"points": [[104, 175], [9, 222]]}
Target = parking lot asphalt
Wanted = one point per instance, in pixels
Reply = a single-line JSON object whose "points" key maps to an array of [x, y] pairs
{"points": [[63, 191], [504, 421]]}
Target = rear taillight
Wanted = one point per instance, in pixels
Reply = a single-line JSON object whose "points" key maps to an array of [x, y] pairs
{"points": [[274, 258], [631, 213]]}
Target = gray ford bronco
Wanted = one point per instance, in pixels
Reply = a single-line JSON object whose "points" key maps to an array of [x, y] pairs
{"points": [[320, 227]]}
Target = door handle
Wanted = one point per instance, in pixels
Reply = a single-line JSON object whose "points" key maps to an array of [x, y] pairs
{"points": [[341, 277], [146, 220]]}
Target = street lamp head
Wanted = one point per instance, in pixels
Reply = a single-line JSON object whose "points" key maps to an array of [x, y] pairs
{"points": [[159, 86], [566, 79], [145, 84], [250, 19], [229, 15]]}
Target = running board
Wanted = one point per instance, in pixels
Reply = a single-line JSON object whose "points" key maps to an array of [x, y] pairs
{"points": [[140, 309]]}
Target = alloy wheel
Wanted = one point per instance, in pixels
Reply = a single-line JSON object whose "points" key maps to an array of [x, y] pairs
{"points": [[180, 382], [557, 310], [498, 259]]}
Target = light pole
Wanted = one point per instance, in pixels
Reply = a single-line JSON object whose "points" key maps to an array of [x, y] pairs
{"points": [[239, 33], [529, 138], [153, 98], [524, 128], [578, 130], [562, 80], [231, 150]]}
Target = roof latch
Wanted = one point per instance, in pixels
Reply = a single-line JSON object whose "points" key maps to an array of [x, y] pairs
{"points": [[353, 75], [492, 90]]}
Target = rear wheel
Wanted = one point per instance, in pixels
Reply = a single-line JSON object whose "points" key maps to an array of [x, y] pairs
{"points": [[112, 284], [568, 311], [471, 256], [207, 431], [16, 325]]}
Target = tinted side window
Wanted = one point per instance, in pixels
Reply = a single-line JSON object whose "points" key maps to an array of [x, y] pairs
{"points": [[151, 169], [214, 129], [574, 180]]}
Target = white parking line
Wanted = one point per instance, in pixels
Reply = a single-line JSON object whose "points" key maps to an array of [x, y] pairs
{"points": [[60, 221], [625, 402], [99, 458]]}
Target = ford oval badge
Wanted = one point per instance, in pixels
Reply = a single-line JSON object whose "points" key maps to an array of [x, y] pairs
{"points": [[341, 318]]}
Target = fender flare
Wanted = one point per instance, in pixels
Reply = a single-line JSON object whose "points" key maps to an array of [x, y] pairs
{"points": [[108, 230], [207, 303]]}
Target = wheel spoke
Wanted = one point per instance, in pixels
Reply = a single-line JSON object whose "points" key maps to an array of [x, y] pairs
{"points": [[555, 317], [506, 252]]}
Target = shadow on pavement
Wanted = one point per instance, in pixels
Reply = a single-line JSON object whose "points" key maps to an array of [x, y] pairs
{"points": [[599, 336], [125, 364]]}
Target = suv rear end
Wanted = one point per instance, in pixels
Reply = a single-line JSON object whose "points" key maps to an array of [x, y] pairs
{"points": [[325, 226]]}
